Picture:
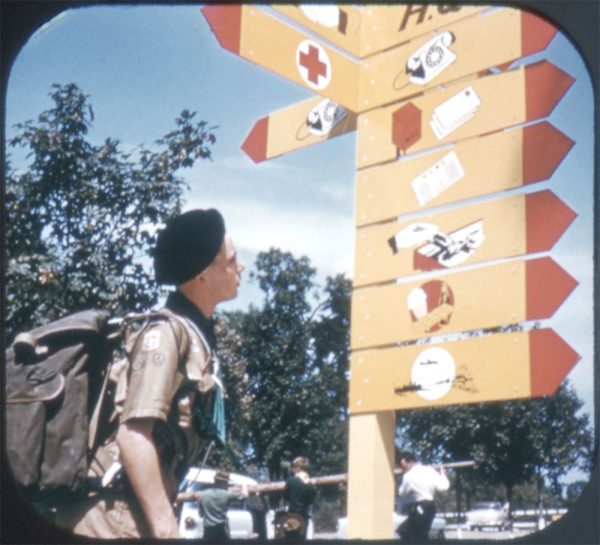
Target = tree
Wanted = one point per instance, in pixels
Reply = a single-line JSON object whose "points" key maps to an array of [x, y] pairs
{"points": [[512, 442], [331, 353], [81, 218], [291, 356], [228, 329]]}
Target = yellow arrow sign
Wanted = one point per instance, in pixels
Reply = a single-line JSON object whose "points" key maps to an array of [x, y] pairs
{"points": [[387, 26], [257, 37], [465, 47], [340, 24], [462, 110], [489, 368], [474, 167], [368, 30], [300, 125], [506, 227], [487, 297]]}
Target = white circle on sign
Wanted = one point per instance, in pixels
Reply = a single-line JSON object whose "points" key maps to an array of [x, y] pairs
{"points": [[313, 64], [433, 373], [326, 15]]}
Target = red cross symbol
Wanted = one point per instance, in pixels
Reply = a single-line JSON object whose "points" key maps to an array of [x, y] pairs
{"points": [[311, 62]]}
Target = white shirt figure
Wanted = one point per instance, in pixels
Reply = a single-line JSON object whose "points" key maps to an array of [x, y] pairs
{"points": [[420, 483]]}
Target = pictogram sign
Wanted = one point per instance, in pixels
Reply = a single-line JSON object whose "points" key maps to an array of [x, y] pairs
{"points": [[363, 31], [298, 126], [462, 110], [479, 298], [495, 367], [499, 228], [251, 33], [471, 168]]}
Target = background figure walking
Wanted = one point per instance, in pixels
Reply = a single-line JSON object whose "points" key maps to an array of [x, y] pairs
{"points": [[214, 502], [417, 490]]}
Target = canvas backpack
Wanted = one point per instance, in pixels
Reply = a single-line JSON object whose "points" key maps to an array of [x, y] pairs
{"points": [[59, 398]]}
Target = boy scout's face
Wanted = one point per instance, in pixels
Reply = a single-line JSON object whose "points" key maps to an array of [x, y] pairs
{"points": [[223, 275]]}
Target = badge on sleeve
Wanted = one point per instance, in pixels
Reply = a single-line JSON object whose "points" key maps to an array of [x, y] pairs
{"points": [[151, 340]]}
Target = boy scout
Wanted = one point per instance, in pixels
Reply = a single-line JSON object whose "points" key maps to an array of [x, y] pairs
{"points": [[170, 378]]}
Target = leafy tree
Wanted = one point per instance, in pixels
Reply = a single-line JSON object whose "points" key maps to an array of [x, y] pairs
{"points": [[237, 401], [291, 357], [330, 354], [512, 443], [81, 218]]}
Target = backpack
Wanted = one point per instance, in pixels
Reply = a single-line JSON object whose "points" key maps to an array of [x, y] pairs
{"points": [[59, 398]]}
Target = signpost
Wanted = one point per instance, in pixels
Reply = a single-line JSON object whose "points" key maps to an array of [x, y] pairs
{"points": [[500, 228], [373, 28], [341, 25], [480, 298], [461, 110], [494, 367], [303, 124], [499, 36], [243, 29], [511, 159], [432, 79]]}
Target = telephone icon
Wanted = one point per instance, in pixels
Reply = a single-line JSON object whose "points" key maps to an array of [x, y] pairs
{"points": [[324, 116], [431, 58]]}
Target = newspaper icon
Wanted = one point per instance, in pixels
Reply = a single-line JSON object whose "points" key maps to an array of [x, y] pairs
{"points": [[436, 179], [453, 113]]}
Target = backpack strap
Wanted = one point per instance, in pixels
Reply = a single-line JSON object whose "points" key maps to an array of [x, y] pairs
{"points": [[95, 419], [215, 375], [117, 330]]}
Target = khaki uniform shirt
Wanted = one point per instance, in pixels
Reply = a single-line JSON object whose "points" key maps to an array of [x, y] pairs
{"points": [[167, 374]]}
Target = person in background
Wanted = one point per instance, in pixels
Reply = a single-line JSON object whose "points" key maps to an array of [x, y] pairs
{"points": [[417, 490], [299, 493], [214, 502]]}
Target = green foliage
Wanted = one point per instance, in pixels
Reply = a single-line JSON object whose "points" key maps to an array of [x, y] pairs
{"points": [[81, 218], [512, 442], [286, 368]]}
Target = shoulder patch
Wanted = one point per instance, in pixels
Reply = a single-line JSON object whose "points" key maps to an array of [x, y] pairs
{"points": [[151, 340]]}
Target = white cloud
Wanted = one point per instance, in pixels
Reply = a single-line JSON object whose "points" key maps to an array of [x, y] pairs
{"points": [[327, 238], [281, 205]]}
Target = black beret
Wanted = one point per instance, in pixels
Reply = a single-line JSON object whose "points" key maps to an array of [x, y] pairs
{"points": [[187, 245]]}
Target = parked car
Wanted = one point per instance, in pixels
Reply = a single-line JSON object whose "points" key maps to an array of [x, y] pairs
{"points": [[246, 517], [436, 533], [488, 514]]}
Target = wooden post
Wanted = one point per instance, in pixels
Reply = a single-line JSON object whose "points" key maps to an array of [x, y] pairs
{"points": [[371, 475]]}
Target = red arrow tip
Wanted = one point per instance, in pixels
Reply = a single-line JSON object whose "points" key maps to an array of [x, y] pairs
{"points": [[548, 285], [225, 20], [544, 147], [536, 33], [551, 360], [255, 144], [547, 218], [545, 86]]}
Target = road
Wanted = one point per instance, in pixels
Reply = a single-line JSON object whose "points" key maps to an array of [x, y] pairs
{"points": [[451, 534]]}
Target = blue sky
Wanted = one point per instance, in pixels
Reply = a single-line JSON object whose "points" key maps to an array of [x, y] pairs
{"points": [[142, 65]]}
